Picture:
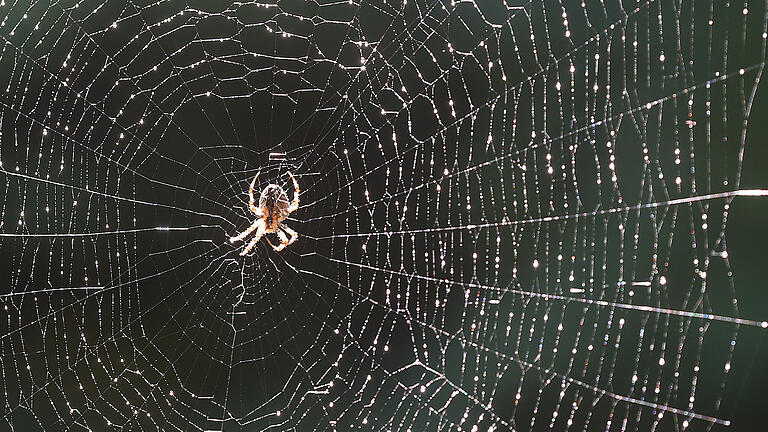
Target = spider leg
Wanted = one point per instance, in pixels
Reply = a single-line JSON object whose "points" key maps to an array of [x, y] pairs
{"points": [[245, 233], [270, 242], [252, 201], [294, 235], [255, 239], [283, 241], [295, 205]]}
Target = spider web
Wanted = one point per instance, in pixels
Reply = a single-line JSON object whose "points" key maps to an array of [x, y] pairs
{"points": [[514, 216]]}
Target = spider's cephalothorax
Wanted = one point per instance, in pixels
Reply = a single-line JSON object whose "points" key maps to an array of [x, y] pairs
{"points": [[274, 207]]}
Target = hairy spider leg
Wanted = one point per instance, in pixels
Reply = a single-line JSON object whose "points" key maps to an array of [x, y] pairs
{"points": [[283, 241], [252, 201], [245, 233], [270, 242], [255, 239], [295, 205], [294, 235]]}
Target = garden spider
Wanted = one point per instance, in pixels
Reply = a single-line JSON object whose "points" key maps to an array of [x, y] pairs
{"points": [[273, 208]]}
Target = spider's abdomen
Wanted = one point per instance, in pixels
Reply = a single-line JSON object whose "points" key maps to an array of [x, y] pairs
{"points": [[274, 205], [273, 199]]}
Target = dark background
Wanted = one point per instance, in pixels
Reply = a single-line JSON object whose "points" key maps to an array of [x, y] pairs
{"points": [[378, 317]]}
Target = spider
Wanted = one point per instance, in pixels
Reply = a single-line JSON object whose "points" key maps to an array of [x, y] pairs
{"points": [[273, 208]]}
